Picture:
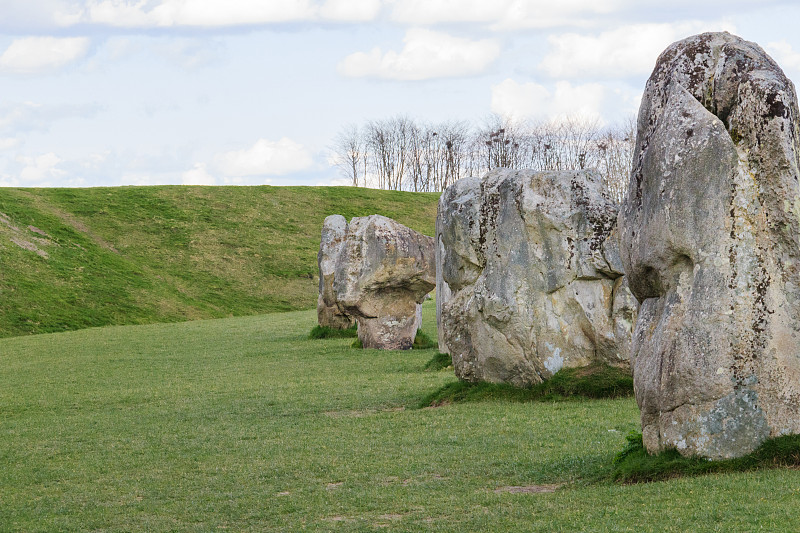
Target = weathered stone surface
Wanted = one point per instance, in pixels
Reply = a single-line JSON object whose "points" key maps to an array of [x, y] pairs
{"points": [[443, 292], [710, 237], [531, 261], [382, 274], [334, 230]]}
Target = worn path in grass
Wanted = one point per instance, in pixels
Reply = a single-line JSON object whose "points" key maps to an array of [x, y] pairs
{"points": [[76, 258], [247, 425]]}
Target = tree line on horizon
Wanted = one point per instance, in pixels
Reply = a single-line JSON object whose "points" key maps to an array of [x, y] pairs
{"points": [[401, 153]]}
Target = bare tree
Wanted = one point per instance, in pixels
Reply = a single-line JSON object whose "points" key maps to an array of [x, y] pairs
{"points": [[615, 154], [350, 154], [401, 154], [500, 143], [577, 137]]}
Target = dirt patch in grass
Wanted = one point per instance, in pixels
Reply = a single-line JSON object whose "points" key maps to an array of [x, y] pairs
{"points": [[530, 489], [338, 518], [361, 413], [27, 245], [70, 220]]}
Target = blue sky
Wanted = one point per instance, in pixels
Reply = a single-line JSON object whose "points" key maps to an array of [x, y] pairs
{"points": [[218, 92]]}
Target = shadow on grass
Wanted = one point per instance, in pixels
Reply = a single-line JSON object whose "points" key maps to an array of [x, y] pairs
{"points": [[423, 342], [595, 381], [325, 332], [635, 465], [440, 361]]}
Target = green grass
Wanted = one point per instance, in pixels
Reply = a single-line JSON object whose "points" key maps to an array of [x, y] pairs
{"points": [[596, 381], [423, 342], [140, 255], [634, 465], [440, 361], [326, 332], [245, 424]]}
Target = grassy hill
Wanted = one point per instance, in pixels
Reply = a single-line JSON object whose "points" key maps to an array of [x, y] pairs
{"points": [[77, 258]]}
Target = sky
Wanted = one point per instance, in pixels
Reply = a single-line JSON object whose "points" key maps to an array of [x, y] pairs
{"points": [[247, 92]]}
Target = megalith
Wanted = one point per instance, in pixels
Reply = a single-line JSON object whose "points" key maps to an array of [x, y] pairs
{"points": [[334, 230], [710, 242], [382, 275], [531, 264]]}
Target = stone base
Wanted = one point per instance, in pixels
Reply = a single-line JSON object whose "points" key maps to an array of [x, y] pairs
{"points": [[331, 316], [388, 332]]}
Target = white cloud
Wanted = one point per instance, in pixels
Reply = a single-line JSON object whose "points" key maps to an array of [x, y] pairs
{"points": [[7, 143], [31, 55], [504, 14], [40, 170], [531, 100], [350, 10], [49, 14], [335, 182], [784, 54], [198, 13], [32, 116], [8, 181], [625, 51], [190, 53], [149, 178], [198, 176], [35, 15], [425, 55], [265, 157]]}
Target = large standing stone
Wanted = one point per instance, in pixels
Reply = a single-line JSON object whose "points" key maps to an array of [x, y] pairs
{"points": [[532, 264], [383, 273], [710, 236], [334, 230]]}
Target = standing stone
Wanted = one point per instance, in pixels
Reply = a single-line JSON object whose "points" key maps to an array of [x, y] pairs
{"points": [[334, 230], [382, 275], [710, 236], [443, 292], [532, 262]]}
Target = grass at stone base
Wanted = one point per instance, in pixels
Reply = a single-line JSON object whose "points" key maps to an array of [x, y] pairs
{"points": [[440, 361], [326, 332], [244, 424], [595, 381], [634, 465], [421, 342]]}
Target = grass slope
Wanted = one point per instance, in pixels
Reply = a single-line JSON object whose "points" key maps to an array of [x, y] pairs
{"points": [[76, 258], [245, 424]]}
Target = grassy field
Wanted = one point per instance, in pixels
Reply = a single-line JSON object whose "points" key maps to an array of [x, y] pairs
{"points": [[76, 258], [245, 424]]}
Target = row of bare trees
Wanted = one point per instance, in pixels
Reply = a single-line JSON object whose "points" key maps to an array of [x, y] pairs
{"points": [[402, 154]]}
